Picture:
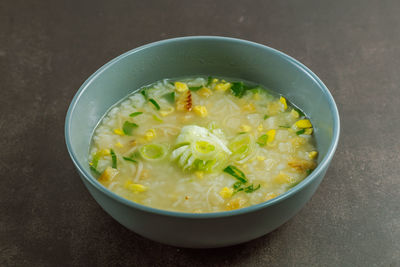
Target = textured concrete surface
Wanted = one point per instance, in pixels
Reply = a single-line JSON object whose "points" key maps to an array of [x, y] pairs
{"points": [[48, 48]]}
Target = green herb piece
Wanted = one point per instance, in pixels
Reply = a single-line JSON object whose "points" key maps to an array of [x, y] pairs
{"points": [[195, 88], [251, 188], [237, 185], [209, 80], [153, 152], [129, 159], [93, 169], [266, 117], [156, 105], [134, 114], [157, 118], [301, 114], [262, 140], [235, 172], [309, 171], [237, 89], [284, 126], [242, 132], [300, 132], [114, 159], [95, 160], [170, 97], [128, 127], [144, 93]]}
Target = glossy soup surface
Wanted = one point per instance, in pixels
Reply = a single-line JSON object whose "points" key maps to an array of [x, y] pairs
{"points": [[202, 145]]}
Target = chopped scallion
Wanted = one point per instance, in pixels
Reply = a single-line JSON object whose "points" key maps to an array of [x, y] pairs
{"points": [[262, 140], [157, 118], [134, 114], [235, 172], [156, 105], [300, 132], [129, 159], [266, 117], [144, 93], [195, 88], [113, 158], [170, 97], [128, 127], [237, 89], [284, 126], [93, 169], [251, 188]]}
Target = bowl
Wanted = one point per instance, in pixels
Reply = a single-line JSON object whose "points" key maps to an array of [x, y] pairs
{"points": [[190, 56]]}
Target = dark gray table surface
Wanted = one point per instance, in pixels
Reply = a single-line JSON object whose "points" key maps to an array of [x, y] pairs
{"points": [[48, 48]]}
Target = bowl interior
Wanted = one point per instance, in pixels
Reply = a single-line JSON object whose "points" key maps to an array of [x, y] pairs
{"points": [[199, 56]]}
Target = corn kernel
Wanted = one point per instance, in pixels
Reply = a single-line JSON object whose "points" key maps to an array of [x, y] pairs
{"points": [[308, 131], [223, 86], [282, 178], [199, 174], [204, 92], [118, 144], [108, 174], [167, 111], [303, 124], [260, 128], [271, 135], [150, 134], [245, 128], [249, 107], [236, 203], [294, 114], [119, 132], [260, 158], [135, 188], [226, 192], [181, 87], [313, 154], [200, 110], [270, 196], [105, 152], [283, 101], [215, 80]]}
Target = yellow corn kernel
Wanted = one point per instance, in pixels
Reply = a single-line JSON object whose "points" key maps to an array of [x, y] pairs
{"points": [[282, 178], [223, 81], [283, 101], [271, 135], [167, 111], [150, 134], [200, 110], [303, 124], [107, 175], [226, 192], [119, 132], [236, 203], [199, 174], [181, 87], [245, 128], [260, 158], [105, 152], [294, 114], [260, 128], [308, 131], [223, 86], [249, 107], [313, 154], [215, 80], [204, 92], [118, 144], [270, 196], [135, 188]]}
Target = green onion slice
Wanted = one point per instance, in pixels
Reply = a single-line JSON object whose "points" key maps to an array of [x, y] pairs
{"points": [[156, 105], [129, 159], [114, 159], [300, 132], [170, 97], [128, 127], [235, 172], [153, 152], [134, 114]]}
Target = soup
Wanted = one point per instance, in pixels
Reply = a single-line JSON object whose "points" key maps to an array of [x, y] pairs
{"points": [[202, 145]]}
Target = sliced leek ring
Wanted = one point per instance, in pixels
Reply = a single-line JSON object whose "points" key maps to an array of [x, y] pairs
{"points": [[153, 152]]}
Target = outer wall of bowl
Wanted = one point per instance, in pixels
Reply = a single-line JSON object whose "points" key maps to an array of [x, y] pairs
{"points": [[205, 232], [207, 56]]}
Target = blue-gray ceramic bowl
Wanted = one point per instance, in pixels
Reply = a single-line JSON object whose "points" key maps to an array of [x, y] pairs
{"points": [[202, 55]]}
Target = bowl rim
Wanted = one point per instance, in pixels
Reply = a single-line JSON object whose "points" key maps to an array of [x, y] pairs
{"points": [[320, 168]]}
